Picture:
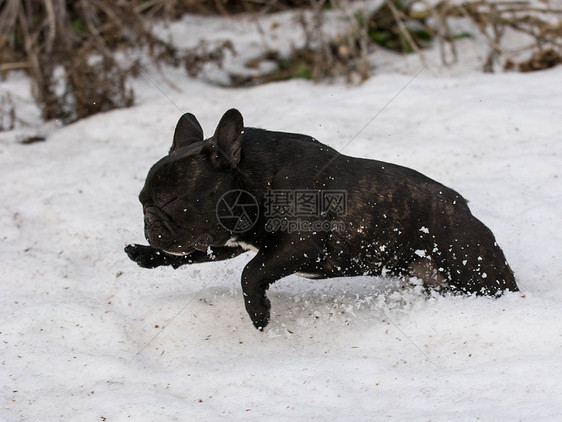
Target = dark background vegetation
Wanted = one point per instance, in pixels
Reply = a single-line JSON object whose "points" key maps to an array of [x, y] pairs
{"points": [[76, 51]]}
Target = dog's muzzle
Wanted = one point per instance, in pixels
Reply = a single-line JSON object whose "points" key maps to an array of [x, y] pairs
{"points": [[158, 230]]}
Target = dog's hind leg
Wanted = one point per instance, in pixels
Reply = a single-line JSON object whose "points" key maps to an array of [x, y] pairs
{"points": [[425, 269]]}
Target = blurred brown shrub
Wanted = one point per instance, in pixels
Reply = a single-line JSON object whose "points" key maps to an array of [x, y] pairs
{"points": [[69, 48]]}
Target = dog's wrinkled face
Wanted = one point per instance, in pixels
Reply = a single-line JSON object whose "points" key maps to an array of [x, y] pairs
{"points": [[181, 190], [172, 204]]}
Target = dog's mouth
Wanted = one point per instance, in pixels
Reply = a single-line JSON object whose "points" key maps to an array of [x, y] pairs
{"points": [[163, 238], [202, 243], [160, 231]]}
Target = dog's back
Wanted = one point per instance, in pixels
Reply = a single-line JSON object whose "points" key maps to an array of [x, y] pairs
{"points": [[395, 217]]}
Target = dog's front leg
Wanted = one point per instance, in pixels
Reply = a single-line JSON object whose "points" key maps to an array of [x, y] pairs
{"points": [[255, 281], [149, 257], [268, 266]]}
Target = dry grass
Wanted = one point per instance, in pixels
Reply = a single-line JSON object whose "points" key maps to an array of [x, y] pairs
{"points": [[542, 25], [69, 48]]}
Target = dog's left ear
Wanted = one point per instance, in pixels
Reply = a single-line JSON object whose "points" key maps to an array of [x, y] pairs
{"points": [[224, 147]]}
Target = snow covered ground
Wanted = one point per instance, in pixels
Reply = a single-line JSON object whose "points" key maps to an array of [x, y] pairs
{"points": [[87, 335]]}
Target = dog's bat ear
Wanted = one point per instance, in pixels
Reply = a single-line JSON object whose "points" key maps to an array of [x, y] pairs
{"points": [[188, 131], [226, 143]]}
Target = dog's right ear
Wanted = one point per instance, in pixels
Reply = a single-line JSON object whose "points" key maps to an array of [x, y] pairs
{"points": [[224, 147], [188, 131]]}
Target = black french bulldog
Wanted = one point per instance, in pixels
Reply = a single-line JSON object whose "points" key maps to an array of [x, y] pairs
{"points": [[213, 199]]}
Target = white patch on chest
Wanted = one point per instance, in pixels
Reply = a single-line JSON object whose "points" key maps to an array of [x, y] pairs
{"points": [[309, 275], [176, 253], [233, 243]]}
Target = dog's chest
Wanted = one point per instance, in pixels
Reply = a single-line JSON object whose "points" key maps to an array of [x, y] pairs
{"points": [[232, 242]]}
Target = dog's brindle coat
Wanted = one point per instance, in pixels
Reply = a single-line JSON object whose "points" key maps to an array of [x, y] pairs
{"points": [[398, 221]]}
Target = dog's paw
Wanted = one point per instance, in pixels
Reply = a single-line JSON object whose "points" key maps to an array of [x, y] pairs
{"points": [[260, 314], [144, 256], [260, 320]]}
